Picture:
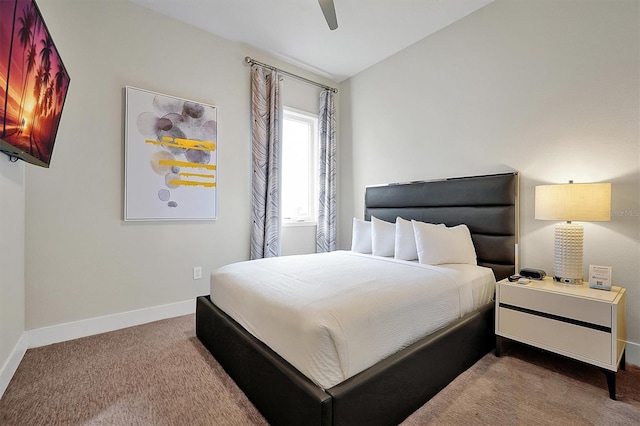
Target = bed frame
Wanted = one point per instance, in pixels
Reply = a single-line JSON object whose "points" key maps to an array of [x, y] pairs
{"points": [[389, 391]]}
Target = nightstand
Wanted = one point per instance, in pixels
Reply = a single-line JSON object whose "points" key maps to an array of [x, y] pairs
{"points": [[571, 320]]}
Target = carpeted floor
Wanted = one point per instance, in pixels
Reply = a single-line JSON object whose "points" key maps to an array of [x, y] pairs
{"points": [[527, 386], [160, 374]]}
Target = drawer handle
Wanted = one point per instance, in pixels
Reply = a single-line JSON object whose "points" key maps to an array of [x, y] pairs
{"points": [[557, 317]]}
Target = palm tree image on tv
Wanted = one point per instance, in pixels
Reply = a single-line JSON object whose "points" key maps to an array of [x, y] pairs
{"points": [[33, 80]]}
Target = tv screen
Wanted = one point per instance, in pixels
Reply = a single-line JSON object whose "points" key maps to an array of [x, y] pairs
{"points": [[33, 83]]}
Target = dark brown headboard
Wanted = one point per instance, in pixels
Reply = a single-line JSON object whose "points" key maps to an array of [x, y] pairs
{"points": [[488, 205]]}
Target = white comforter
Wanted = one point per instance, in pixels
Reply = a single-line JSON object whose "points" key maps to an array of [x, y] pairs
{"points": [[332, 315]]}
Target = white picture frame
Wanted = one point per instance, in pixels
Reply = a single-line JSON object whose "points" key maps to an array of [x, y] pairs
{"points": [[171, 158], [600, 277]]}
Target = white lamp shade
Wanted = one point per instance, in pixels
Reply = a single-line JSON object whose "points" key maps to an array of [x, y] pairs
{"points": [[571, 202], [582, 202]]}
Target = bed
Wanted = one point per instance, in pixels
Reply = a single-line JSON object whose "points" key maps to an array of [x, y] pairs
{"points": [[387, 392]]}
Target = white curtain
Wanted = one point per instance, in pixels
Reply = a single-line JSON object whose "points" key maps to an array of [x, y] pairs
{"points": [[327, 228], [266, 118]]}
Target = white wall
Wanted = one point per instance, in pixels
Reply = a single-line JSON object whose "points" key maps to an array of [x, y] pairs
{"points": [[549, 88], [516, 85], [84, 261], [12, 323]]}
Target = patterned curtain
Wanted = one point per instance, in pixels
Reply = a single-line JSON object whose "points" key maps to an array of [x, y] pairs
{"points": [[266, 124], [327, 228]]}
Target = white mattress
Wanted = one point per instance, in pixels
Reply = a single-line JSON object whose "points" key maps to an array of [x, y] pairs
{"points": [[332, 315]]}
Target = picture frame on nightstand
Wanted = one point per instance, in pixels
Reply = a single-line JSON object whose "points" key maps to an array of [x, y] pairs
{"points": [[600, 277]]}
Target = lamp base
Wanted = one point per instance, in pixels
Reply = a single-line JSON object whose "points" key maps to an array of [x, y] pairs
{"points": [[567, 254]]}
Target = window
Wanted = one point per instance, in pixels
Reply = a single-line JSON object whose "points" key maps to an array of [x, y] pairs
{"points": [[299, 148]]}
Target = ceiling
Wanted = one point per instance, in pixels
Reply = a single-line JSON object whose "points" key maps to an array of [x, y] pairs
{"points": [[295, 31]]}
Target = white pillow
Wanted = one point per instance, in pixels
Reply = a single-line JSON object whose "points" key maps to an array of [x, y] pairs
{"points": [[437, 245], [361, 238], [383, 237], [405, 240]]}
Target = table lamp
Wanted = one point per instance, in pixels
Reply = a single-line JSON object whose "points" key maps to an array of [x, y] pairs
{"points": [[582, 202]]}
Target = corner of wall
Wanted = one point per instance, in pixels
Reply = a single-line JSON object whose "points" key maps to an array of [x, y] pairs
{"points": [[13, 340], [11, 364]]}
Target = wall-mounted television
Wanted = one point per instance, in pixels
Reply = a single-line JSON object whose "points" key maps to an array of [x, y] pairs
{"points": [[33, 84]]}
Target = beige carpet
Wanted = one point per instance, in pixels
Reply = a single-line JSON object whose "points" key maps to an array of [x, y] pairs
{"points": [[160, 374], [530, 387]]}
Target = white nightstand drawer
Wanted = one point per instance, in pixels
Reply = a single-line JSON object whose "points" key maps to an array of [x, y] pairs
{"points": [[567, 306], [581, 343], [572, 320]]}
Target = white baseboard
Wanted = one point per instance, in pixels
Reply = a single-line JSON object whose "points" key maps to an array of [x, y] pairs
{"points": [[74, 330], [11, 365], [633, 354]]}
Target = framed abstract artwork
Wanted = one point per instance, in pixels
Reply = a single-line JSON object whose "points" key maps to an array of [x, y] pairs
{"points": [[171, 159]]}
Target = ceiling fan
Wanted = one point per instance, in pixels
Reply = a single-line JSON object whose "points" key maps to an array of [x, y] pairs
{"points": [[329, 11]]}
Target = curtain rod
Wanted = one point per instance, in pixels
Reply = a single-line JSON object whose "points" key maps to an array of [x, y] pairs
{"points": [[250, 61]]}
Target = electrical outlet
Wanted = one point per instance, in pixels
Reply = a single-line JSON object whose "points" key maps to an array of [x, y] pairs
{"points": [[197, 272]]}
